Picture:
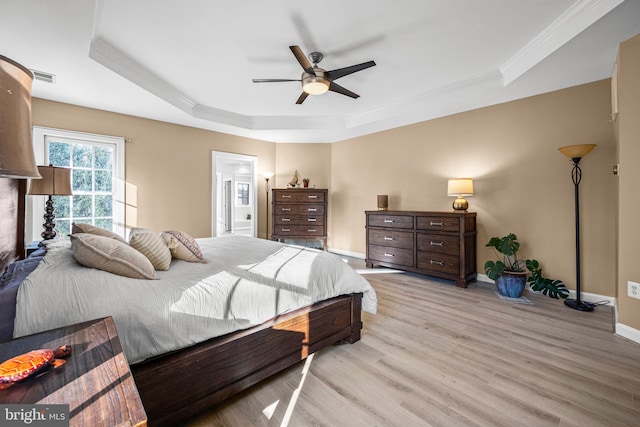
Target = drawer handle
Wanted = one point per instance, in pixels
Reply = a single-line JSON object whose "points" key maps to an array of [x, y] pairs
{"points": [[388, 238], [286, 196], [437, 224], [313, 196], [311, 230], [286, 209], [312, 210], [286, 219], [286, 230], [311, 220], [432, 243], [389, 221], [391, 255], [437, 262]]}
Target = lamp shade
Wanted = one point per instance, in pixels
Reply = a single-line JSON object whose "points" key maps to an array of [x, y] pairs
{"points": [[460, 187], [55, 181], [16, 146], [577, 151], [383, 202]]}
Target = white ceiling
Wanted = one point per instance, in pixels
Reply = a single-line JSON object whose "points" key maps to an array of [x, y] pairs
{"points": [[191, 61]]}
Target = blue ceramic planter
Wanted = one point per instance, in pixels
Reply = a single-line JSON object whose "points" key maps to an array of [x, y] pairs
{"points": [[511, 284]]}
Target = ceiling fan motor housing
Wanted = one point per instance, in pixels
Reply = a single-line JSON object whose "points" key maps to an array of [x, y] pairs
{"points": [[315, 85]]}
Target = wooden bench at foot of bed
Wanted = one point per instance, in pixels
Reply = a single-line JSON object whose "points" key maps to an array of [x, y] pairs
{"points": [[182, 384]]}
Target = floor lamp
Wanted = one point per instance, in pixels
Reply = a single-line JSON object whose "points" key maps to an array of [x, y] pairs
{"points": [[267, 176], [576, 153]]}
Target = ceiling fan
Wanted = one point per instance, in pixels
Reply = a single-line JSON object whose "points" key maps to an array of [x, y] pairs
{"points": [[316, 80]]}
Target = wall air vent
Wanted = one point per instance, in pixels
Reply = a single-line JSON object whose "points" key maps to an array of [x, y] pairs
{"points": [[44, 77]]}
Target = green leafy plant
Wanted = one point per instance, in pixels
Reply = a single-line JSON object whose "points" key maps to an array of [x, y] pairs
{"points": [[506, 249]]}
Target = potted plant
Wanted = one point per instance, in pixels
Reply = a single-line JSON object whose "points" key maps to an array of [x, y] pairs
{"points": [[510, 273], [305, 182]]}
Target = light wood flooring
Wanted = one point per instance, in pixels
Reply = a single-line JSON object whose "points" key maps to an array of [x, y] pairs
{"points": [[439, 355]]}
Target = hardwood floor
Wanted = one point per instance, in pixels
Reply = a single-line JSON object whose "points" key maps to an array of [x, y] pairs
{"points": [[439, 355]]}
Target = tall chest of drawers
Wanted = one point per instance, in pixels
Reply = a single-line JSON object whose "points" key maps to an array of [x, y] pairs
{"points": [[440, 244], [299, 213]]}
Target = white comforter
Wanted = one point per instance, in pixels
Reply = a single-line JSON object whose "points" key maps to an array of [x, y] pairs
{"points": [[246, 282]]}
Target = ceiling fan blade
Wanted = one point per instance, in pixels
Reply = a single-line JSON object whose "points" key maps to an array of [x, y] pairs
{"points": [[341, 72], [302, 59], [302, 97], [274, 80], [334, 87]]}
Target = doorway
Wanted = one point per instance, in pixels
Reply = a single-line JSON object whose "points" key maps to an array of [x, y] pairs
{"points": [[234, 196]]}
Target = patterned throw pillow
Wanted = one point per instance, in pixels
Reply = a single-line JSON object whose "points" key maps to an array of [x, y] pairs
{"points": [[183, 246], [151, 245]]}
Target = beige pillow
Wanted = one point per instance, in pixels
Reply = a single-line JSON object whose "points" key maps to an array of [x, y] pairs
{"points": [[79, 227], [183, 246], [151, 245], [105, 253]]}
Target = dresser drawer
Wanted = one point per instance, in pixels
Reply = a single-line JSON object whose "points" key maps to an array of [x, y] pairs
{"points": [[299, 219], [390, 221], [438, 223], [391, 255], [439, 243], [295, 196], [442, 263], [298, 209], [299, 230], [391, 238]]}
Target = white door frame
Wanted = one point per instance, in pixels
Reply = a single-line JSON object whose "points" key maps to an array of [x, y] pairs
{"points": [[217, 158]]}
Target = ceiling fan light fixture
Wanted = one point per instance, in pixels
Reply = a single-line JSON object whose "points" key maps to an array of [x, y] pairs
{"points": [[317, 87]]}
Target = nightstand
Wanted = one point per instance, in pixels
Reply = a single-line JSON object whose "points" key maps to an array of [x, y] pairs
{"points": [[32, 247], [95, 382]]}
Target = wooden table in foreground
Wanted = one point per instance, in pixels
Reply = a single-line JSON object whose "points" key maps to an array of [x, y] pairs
{"points": [[95, 382]]}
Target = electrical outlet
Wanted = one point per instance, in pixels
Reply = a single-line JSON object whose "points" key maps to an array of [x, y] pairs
{"points": [[633, 289]]}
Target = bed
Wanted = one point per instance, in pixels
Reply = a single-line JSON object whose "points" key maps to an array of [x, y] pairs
{"points": [[178, 368]]}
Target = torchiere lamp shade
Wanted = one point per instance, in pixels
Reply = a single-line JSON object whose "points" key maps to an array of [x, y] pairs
{"points": [[577, 151], [55, 181], [17, 159]]}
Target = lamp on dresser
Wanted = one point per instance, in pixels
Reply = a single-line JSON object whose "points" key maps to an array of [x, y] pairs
{"points": [[17, 159], [56, 181], [460, 187], [576, 153]]}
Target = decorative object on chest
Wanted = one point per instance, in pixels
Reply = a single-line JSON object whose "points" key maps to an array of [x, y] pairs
{"points": [[300, 214], [440, 244]]}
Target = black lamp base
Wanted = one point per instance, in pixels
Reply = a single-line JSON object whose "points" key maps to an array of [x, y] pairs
{"points": [[579, 305]]}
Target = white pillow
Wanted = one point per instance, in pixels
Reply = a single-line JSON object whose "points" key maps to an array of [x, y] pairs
{"points": [[108, 254]]}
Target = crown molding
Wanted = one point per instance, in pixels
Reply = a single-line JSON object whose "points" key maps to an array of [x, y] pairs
{"points": [[572, 22]]}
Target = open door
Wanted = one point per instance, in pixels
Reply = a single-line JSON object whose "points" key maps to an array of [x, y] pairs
{"points": [[234, 194]]}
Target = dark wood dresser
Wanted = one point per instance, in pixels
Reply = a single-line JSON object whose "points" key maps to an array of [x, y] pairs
{"points": [[441, 244], [299, 213]]}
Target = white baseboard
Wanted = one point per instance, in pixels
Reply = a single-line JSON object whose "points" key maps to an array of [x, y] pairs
{"points": [[358, 255], [628, 332], [584, 296]]}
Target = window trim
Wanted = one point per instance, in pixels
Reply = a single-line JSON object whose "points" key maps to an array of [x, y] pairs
{"points": [[35, 205]]}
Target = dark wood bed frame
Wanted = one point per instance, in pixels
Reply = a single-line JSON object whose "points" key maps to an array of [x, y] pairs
{"points": [[179, 385]]}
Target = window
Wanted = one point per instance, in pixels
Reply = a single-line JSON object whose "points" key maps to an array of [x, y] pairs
{"points": [[243, 194], [97, 179]]}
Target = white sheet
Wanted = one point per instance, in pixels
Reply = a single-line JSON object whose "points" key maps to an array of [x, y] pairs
{"points": [[246, 282]]}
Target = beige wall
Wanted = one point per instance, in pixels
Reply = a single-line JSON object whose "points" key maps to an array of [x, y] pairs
{"points": [[628, 135], [170, 165], [522, 182], [312, 161]]}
